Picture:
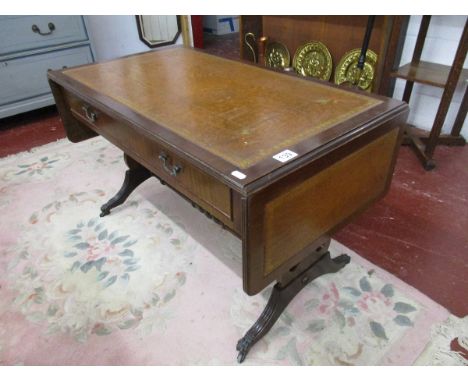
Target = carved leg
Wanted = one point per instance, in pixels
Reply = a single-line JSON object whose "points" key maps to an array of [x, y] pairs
{"points": [[134, 176], [281, 296]]}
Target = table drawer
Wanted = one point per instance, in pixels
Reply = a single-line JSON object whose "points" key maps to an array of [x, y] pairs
{"points": [[31, 32], [26, 77], [198, 186]]}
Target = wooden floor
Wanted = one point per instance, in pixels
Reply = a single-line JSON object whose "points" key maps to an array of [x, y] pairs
{"points": [[25, 131], [418, 232]]}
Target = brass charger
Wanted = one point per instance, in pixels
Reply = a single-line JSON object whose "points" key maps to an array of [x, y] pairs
{"points": [[277, 55], [347, 70], [314, 60]]}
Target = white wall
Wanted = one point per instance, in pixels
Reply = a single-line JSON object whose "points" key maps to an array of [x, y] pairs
{"points": [[441, 44], [116, 36]]}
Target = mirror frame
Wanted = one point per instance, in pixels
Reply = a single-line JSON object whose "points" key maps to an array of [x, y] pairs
{"points": [[147, 43]]}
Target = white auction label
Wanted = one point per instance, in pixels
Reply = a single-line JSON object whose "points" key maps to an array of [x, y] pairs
{"points": [[238, 174], [285, 155]]}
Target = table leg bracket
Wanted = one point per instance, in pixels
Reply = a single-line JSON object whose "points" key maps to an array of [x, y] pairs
{"points": [[281, 296]]}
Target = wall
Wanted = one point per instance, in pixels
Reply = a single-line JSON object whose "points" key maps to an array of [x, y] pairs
{"points": [[441, 44], [115, 36]]}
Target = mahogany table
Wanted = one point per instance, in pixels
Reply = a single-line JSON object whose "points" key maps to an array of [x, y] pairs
{"points": [[280, 161]]}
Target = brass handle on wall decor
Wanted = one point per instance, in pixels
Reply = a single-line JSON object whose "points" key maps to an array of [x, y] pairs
{"points": [[90, 115], [36, 29], [172, 171]]}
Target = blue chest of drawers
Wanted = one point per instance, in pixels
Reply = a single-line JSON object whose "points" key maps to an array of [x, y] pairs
{"points": [[31, 45]]}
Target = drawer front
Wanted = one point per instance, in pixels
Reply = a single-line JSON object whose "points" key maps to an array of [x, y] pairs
{"points": [[214, 196], [26, 77], [21, 33]]}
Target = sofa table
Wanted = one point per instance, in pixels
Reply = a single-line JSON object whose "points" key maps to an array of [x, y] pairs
{"points": [[280, 161]]}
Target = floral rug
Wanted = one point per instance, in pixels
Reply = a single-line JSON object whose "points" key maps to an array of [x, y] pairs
{"points": [[157, 283]]}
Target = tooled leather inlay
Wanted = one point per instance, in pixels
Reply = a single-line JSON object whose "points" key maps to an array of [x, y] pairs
{"points": [[238, 112]]}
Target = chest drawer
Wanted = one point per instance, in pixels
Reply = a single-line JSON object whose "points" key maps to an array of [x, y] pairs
{"points": [[26, 77], [179, 173], [21, 33]]}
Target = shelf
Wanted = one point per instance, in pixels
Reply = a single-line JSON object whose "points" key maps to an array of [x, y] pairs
{"points": [[427, 73], [437, 75]]}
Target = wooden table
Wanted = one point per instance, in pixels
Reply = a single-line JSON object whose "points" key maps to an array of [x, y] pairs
{"points": [[280, 161]]}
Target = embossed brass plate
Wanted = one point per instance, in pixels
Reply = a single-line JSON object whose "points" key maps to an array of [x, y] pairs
{"points": [[277, 55], [347, 71], [313, 59]]}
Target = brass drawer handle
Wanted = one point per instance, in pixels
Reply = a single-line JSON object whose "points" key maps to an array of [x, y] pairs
{"points": [[172, 171], [36, 29], [90, 115]]}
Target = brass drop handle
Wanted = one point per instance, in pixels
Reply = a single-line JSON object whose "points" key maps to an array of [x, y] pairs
{"points": [[36, 29], [90, 115], [172, 171]]}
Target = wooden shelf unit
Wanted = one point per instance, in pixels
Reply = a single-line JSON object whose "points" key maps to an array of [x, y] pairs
{"points": [[339, 33], [442, 76]]}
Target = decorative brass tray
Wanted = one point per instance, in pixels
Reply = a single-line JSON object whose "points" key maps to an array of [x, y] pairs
{"points": [[347, 71], [313, 59], [277, 55]]}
